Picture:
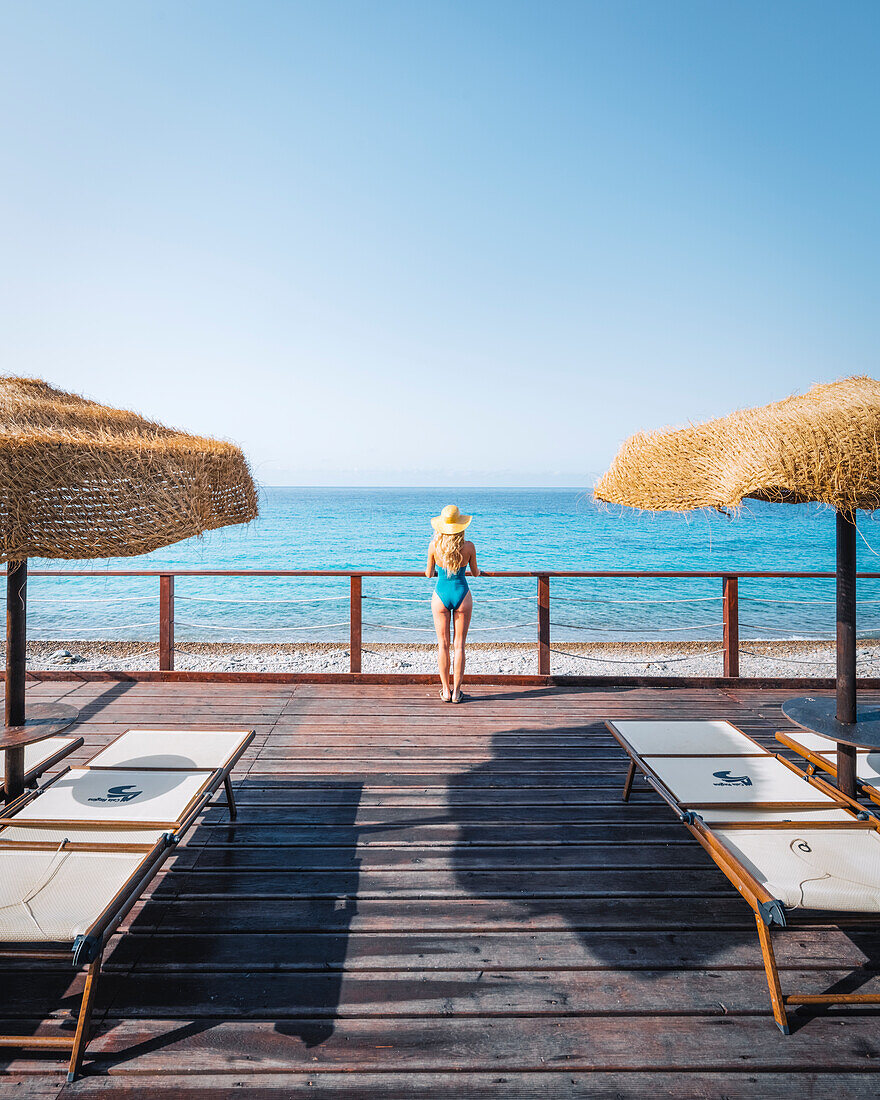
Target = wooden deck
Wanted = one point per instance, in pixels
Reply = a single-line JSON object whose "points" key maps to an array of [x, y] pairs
{"points": [[427, 901]]}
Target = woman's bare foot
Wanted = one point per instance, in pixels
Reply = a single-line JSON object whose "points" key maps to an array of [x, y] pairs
{"points": [[445, 695]]}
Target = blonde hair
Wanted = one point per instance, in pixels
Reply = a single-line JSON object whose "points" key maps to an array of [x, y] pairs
{"points": [[449, 551]]}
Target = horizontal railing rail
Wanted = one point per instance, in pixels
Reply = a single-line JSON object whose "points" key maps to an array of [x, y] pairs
{"points": [[729, 596], [780, 574]]}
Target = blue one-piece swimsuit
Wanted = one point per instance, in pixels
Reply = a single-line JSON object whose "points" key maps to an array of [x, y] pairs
{"points": [[451, 588]]}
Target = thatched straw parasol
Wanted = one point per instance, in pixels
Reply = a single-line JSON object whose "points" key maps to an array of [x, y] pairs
{"points": [[83, 480], [824, 446]]}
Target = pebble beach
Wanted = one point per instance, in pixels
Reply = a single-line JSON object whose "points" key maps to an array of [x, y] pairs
{"points": [[790, 658]]}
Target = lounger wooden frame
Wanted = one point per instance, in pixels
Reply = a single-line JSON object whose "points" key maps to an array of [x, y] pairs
{"points": [[31, 776], [767, 909], [87, 950]]}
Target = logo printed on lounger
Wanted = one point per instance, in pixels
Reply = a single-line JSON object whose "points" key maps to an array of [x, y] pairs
{"points": [[728, 780], [118, 794]]}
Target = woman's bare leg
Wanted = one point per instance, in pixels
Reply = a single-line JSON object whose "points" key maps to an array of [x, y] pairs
{"points": [[442, 619], [462, 617]]}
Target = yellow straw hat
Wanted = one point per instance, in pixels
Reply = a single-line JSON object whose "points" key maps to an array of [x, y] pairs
{"points": [[450, 521]]}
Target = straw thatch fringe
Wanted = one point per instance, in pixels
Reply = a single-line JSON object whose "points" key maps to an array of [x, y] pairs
{"points": [[81, 480], [823, 445]]}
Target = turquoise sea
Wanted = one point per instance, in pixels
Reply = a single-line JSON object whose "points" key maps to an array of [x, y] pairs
{"points": [[319, 528]]}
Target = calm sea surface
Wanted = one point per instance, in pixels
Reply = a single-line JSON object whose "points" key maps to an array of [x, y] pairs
{"points": [[513, 529]]}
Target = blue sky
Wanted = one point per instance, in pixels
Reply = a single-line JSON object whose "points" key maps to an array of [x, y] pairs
{"points": [[417, 242]]}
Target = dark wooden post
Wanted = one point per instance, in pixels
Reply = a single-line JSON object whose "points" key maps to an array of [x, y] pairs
{"points": [[166, 622], [846, 619], [16, 641], [544, 625], [730, 605], [16, 670], [846, 647], [354, 647]]}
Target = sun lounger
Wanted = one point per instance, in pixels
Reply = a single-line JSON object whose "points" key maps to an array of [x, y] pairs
{"points": [[77, 853], [821, 752], [39, 757], [785, 839]]}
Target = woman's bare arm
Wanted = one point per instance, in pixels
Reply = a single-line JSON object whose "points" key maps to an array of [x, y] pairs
{"points": [[475, 569], [429, 568]]}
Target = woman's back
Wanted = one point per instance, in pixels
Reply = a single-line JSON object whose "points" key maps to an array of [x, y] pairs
{"points": [[446, 574]]}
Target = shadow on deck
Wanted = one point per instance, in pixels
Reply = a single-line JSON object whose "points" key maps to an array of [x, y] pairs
{"points": [[419, 900]]}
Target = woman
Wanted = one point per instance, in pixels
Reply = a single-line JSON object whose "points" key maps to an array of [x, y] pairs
{"points": [[452, 600]]}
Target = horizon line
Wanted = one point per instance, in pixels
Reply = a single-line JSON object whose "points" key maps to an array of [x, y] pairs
{"points": [[429, 488]]}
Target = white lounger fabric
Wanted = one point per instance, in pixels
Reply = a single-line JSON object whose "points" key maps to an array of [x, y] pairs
{"points": [[868, 768], [171, 749], [38, 752], [814, 742], [696, 779], [84, 794], [795, 813], [812, 869], [685, 738], [56, 896], [77, 834]]}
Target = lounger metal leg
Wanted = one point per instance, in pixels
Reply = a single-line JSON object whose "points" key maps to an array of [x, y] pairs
{"points": [[776, 997], [628, 782], [81, 1038], [230, 798]]}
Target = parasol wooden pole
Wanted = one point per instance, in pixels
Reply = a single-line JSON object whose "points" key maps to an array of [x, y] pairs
{"points": [[16, 640], [846, 645], [16, 647]]}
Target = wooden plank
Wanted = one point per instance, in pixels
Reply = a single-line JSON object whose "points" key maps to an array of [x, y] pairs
{"points": [[559, 949], [553, 1082], [444, 858], [391, 817], [710, 1043], [492, 994], [404, 678], [267, 914], [596, 882], [29, 1087], [261, 831]]}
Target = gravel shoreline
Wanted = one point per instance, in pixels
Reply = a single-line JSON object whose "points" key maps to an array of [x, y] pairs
{"points": [[791, 658]]}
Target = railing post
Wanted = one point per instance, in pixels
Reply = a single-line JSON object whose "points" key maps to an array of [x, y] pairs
{"points": [[354, 647], [730, 604], [166, 622], [543, 624]]}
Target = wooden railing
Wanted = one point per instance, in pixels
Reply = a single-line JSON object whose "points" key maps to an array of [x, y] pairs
{"points": [[729, 598]]}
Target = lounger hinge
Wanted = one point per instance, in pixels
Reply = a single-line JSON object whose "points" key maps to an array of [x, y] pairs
{"points": [[85, 950], [689, 817], [772, 912]]}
